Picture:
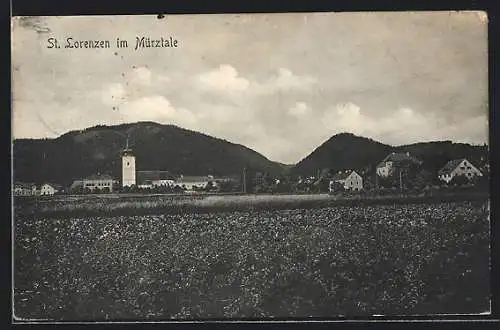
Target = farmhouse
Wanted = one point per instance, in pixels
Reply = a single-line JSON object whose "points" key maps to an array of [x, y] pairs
{"points": [[155, 178], [50, 189], [98, 181], [349, 179], [25, 189], [394, 162], [194, 182], [458, 167]]}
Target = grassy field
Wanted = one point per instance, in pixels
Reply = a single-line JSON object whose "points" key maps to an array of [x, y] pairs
{"points": [[316, 262], [144, 204]]}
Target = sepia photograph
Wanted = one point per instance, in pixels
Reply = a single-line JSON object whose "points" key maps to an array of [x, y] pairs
{"points": [[285, 166]]}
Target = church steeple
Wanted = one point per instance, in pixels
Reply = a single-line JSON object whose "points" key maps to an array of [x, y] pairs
{"points": [[128, 166], [127, 151]]}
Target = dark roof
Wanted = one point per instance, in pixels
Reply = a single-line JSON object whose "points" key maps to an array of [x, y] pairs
{"points": [[143, 176], [25, 185], [190, 179], [99, 177], [54, 185], [450, 166], [342, 175], [127, 152], [399, 158]]}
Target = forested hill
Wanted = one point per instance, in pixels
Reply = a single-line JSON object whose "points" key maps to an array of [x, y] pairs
{"points": [[348, 151], [157, 147]]}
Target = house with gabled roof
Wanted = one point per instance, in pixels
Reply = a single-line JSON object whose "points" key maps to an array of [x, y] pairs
{"points": [[50, 188], [155, 178], [99, 182], [194, 182], [24, 189], [395, 161], [349, 179], [457, 167]]}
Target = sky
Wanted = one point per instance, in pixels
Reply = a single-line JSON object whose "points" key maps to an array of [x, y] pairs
{"points": [[281, 84]]}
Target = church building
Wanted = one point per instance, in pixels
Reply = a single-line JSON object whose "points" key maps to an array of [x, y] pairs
{"points": [[128, 167]]}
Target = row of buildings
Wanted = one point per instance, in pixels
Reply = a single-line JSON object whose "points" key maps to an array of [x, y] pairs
{"points": [[31, 189], [394, 164], [151, 179], [131, 177]]}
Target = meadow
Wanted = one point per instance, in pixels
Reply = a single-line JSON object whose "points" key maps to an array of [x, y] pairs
{"points": [[325, 262], [151, 204]]}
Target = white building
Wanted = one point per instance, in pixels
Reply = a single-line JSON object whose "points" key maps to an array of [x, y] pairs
{"points": [[128, 167], [458, 167], [98, 181], [25, 189], [393, 161], [194, 182], [50, 189], [163, 183], [154, 178], [349, 179]]}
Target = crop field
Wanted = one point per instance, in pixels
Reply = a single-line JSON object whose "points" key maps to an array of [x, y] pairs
{"points": [[318, 262]]}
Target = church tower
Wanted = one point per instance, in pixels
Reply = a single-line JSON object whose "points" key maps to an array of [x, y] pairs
{"points": [[128, 167]]}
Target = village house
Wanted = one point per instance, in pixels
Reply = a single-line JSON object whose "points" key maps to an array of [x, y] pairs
{"points": [[458, 167], [50, 188], [25, 189], [98, 181], [394, 162], [155, 178], [191, 183], [349, 179]]}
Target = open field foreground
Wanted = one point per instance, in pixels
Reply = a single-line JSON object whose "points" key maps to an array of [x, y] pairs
{"points": [[319, 262], [150, 204]]}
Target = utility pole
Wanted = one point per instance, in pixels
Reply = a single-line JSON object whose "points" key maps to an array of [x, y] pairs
{"points": [[400, 181], [244, 180]]}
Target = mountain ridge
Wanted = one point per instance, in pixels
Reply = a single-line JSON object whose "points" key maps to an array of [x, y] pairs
{"points": [[79, 153]]}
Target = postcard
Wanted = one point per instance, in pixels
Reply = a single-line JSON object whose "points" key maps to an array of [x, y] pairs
{"points": [[258, 167]]}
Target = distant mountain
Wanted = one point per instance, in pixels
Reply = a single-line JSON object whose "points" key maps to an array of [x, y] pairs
{"points": [[343, 151], [157, 147], [437, 153], [348, 151]]}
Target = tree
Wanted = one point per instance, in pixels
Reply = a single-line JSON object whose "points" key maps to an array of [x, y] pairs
{"points": [[459, 180], [423, 179], [209, 187], [322, 185], [336, 187]]}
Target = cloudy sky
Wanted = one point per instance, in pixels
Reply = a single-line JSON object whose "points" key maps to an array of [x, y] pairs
{"points": [[280, 84]]}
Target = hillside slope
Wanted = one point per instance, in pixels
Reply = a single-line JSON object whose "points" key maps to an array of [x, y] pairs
{"points": [[97, 149], [348, 151]]}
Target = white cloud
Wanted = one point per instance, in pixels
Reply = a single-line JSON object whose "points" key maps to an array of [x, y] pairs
{"points": [[299, 109], [141, 75], [403, 126], [286, 80], [114, 94], [156, 108], [225, 78], [164, 78]]}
